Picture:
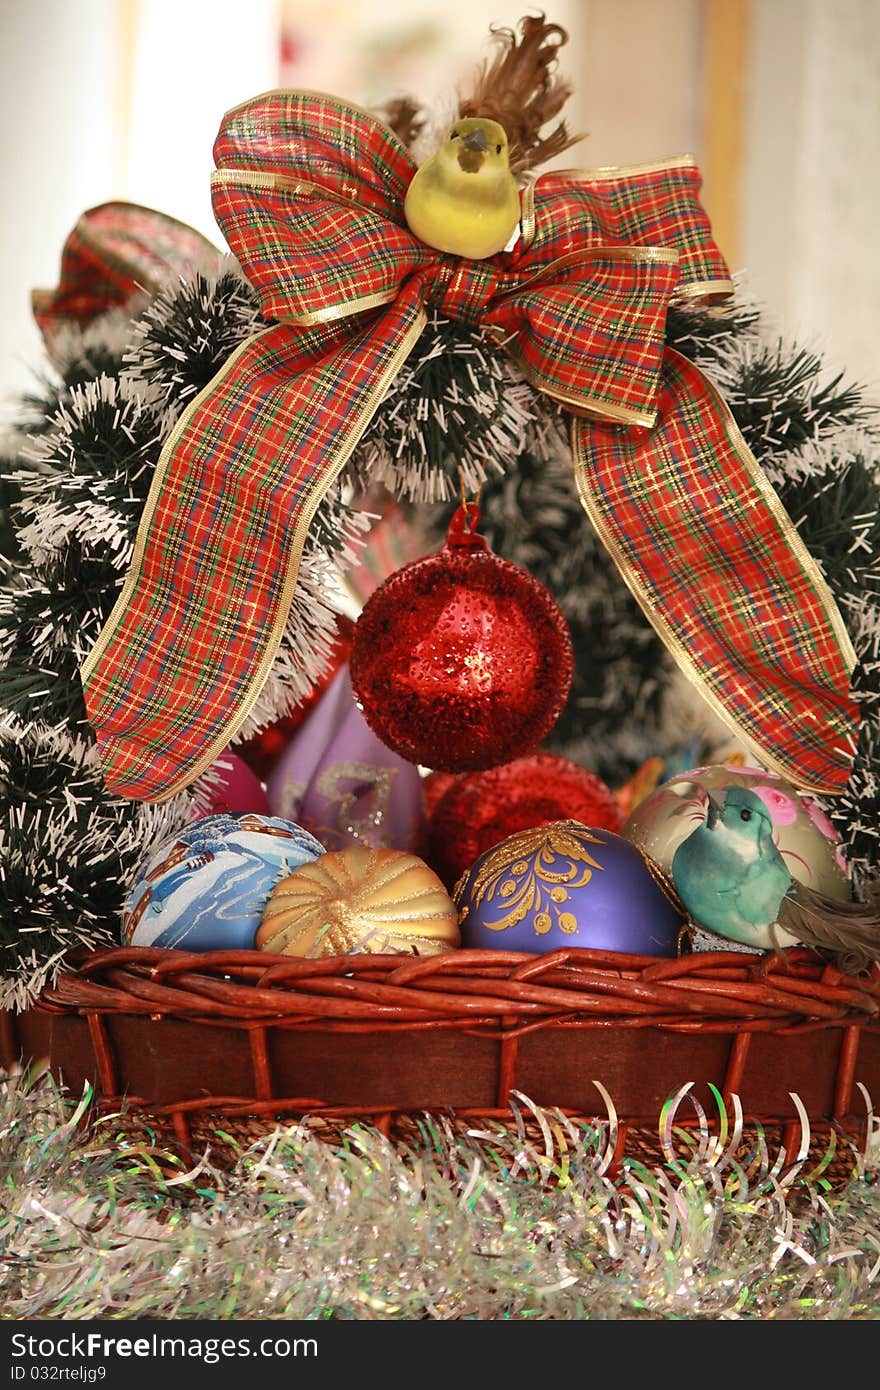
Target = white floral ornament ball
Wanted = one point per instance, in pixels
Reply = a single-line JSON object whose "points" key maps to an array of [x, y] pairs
{"points": [[802, 831]]}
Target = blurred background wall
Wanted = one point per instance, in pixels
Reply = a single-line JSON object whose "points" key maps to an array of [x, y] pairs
{"points": [[778, 99]]}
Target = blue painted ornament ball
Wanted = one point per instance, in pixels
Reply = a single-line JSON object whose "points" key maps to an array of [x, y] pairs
{"points": [[205, 888], [562, 885]]}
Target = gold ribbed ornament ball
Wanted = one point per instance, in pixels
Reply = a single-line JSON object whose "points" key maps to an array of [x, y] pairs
{"points": [[360, 900]]}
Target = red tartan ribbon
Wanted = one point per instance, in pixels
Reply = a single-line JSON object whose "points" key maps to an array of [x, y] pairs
{"points": [[309, 192], [115, 251]]}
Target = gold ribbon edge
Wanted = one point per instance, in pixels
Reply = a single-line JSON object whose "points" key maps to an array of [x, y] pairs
{"points": [[670, 638]]}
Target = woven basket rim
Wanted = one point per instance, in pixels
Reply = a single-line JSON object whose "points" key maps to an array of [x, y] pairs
{"points": [[700, 991], [483, 1026]]}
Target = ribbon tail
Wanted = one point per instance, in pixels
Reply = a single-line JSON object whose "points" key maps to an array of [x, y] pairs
{"points": [[191, 639], [706, 547]]}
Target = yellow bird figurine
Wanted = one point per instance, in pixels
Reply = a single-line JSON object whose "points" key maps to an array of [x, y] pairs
{"points": [[464, 199]]}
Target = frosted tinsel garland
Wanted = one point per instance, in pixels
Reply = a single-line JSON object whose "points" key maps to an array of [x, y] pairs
{"points": [[100, 1221], [82, 471], [457, 412], [62, 853]]}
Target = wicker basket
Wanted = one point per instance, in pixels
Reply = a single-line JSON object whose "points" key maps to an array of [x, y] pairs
{"points": [[244, 1036]]}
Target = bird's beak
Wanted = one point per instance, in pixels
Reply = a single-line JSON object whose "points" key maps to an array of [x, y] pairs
{"points": [[476, 140], [714, 807], [473, 151]]}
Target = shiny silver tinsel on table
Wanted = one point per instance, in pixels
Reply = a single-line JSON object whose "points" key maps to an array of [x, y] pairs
{"points": [[508, 1221]]}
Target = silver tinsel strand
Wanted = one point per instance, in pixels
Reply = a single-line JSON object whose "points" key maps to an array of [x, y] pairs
{"points": [[516, 1220]]}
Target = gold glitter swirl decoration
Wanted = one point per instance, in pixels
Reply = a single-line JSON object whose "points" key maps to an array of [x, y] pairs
{"points": [[525, 873], [360, 900]]}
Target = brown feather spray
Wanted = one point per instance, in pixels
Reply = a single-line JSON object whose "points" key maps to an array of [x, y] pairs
{"points": [[519, 90], [405, 117]]}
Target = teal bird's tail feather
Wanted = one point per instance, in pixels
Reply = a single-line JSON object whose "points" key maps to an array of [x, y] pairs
{"points": [[850, 930]]}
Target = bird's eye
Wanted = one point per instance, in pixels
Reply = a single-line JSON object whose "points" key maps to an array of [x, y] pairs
{"points": [[453, 135], [745, 814], [497, 149]]}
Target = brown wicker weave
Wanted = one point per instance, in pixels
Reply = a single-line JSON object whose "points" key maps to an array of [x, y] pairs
{"points": [[194, 1037]]}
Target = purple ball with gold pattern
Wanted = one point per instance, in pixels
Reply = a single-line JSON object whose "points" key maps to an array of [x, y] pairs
{"points": [[563, 884]]}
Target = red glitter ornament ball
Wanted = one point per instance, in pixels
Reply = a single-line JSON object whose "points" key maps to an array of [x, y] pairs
{"points": [[463, 660], [481, 809], [435, 785]]}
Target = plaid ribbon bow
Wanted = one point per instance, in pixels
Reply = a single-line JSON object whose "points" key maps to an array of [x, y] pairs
{"points": [[309, 192], [114, 252]]}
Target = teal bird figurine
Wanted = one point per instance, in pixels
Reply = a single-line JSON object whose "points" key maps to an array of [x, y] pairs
{"points": [[733, 881]]}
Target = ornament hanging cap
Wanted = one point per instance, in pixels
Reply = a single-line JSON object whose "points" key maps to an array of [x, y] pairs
{"points": [[462, 533]]}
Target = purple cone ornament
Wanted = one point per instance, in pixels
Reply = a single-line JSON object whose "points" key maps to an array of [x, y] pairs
{"points": [[339, 781], [563, 884]]}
